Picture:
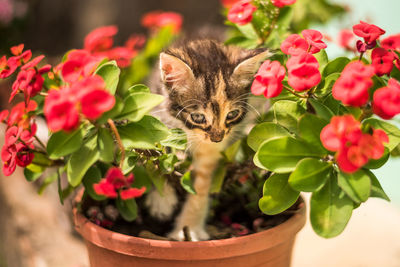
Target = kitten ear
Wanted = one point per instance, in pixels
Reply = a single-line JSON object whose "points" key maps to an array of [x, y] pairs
{"points": [[174, 72], [244, 72]]}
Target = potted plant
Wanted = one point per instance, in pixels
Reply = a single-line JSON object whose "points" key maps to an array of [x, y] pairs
{"points": [[324, 132]]}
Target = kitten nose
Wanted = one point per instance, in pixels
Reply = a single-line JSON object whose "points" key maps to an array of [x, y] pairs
{"points": [[217, 136]]}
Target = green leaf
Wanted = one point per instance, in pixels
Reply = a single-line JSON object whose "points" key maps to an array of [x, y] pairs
{"points": [[218, 178], [130, 161], [335, 66], [49, 180], [127, 208], [263, 132], [36, 168], [139, 104], [277, 195], [167, 162], [105, 144], [321, 110], [230, 152], [31, 176], [322, 58], [144, 134], [376, 188], [282, 154], [325, 87], [114, 112], [392, 131], [330, 210], [187, 183], [377, 163], [81, 160], [177, 139], [110, 73], [248, 31], [92, 176], [356, 185], [155, 176], [61, 143], [310, 175], [287, 113], [310, 127], [142, 178], [138, 88]]}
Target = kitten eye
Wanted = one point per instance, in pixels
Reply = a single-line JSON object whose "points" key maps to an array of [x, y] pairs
{"points": [[198, 118], [232, 114]]}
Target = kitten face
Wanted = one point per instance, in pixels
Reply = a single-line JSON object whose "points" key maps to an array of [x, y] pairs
{"points": [[208, 85]]}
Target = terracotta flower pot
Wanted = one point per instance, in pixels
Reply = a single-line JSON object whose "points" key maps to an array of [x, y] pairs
{"points": [[272, 247]]}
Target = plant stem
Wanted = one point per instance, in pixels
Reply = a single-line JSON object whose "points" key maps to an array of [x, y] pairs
{"points": [[361, 55], [294, 93], [40, 143], [366, 112], [119, 142]]}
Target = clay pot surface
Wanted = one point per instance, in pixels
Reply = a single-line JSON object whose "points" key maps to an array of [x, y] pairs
{"points": [[272, 247]]}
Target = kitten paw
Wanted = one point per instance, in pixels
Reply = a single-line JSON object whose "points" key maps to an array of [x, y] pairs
{"points": [[196, 234], [162, 206]]}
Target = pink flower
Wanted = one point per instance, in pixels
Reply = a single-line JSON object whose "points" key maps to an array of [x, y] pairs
{"points": [[345, 39], [352, 86], [382, 61], [20, 114], [3, 115], [79, 64], [241, 13], [268, 79], [229, 3], [17, 50], [303, 72], [294, 45], [135, 42], [61, 111], [96, 102], [391, 42], [369, 32], [386, 100], [115, 182], [100, 39], [314, 40], [122, 55], [282, 3], [158, 19]]}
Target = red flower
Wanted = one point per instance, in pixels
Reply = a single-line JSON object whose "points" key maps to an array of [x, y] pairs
{"points": [[135, 42], [20, 114], [294, 45], [30, 82], [115, 182], [61, 111], [282, 3], [242, 12], [382, 61], [8, 156], [345, 39], [9, 68], [100, 39], [369, 32], [303, 72], [158, 19], [122, 55], [269, 79], [386, 100], [391, 42], [354, 148], [341, 129], [314, 40], [96, 102], [3, 115], [79, 64], [352, 86], [17, 50], [229, 3]]}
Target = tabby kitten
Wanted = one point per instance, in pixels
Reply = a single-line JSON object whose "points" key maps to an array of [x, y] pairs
{"points": [[207, 87]]}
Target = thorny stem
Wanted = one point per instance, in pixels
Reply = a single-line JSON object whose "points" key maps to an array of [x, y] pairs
{"points": [[366, 112], [294, 93], [119, 142], [361, 55]]}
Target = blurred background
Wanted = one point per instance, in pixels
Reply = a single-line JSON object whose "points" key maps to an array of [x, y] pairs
{"points": [[35, 230]]}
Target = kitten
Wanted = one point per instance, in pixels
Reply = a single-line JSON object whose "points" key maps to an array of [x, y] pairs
{"points": [[207, 88]]}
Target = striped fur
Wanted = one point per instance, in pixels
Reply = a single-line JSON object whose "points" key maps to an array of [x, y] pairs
{"points": [[205, 78]]}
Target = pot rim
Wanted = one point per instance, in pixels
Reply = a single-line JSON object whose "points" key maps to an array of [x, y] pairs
{"points": [[181, 250]]}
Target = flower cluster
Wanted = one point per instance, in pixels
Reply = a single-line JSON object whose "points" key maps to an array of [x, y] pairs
{"points": [[353, 148], [86, 93], [157, 19], [353, 84], [268, 80], [19, 137], [369, 32], [386, 100], [99, 43], [116, 183], [241, 12]]}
